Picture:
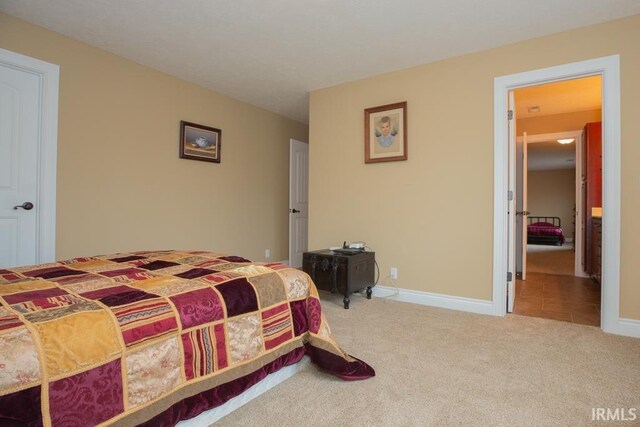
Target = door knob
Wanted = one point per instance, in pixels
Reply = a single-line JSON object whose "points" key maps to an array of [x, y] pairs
{"points": [[27, 206], [295, 211]]}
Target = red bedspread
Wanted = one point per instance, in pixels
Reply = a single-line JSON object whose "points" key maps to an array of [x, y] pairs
{"points": [[128, 337]]}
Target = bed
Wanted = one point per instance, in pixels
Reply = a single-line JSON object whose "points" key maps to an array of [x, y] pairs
{"points": [[152, 338], [544, 230]]}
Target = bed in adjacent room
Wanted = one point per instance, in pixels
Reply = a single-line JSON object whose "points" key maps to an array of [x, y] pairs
{"points": [[153, 338], [544, 230]]}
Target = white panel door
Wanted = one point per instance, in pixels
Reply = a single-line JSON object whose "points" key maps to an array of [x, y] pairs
{"points": [[20, 95], [298, 201]]}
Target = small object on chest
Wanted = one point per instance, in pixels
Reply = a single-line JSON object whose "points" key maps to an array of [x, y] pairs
{"points": [[341, 271]]}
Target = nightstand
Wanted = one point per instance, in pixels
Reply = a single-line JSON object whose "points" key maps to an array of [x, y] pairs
{"points": [[340, 272]]}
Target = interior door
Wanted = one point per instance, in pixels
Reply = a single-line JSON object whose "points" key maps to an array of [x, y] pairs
{"points": [[525, 210], [298, 201], [19, 113], [511, 228]]}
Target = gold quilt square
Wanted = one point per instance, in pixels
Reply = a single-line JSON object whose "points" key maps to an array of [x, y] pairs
{"points": [[77, 341]]}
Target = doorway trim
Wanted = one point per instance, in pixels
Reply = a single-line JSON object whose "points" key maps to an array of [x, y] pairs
{"points": [[49, 75], [609, 68], [577, 135]]}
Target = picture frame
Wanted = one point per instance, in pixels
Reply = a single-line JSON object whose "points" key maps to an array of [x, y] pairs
{"points": [[199, 142], [385, 133]]}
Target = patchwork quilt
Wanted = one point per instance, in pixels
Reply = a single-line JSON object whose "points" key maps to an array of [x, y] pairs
{"points": [[152, 336]]}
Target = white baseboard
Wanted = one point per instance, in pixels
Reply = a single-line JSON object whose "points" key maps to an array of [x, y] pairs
{"points": [[436, 300], [626, 327], [286, 261]]}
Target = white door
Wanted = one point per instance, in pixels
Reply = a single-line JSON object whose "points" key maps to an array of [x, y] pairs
{"points": [[511, 229], [525, 212], [19, 99], [298, 201], [28, 136]]}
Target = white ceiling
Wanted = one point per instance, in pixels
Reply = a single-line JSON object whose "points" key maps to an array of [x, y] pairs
{"points": [[272, 53]]}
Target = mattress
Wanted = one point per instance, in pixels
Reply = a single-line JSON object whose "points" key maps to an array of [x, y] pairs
{"points": [[545, 229], [153, 337]]}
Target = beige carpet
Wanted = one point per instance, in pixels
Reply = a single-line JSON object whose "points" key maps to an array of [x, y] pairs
{"points": [[441, 367], [551, 259]]}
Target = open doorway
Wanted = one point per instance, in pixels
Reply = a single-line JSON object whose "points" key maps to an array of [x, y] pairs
{"points": [[558, 187], [503, 205]]}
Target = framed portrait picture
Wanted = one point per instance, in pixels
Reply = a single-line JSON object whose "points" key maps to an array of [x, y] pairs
{"points": [[385, 133], [198, 142]]}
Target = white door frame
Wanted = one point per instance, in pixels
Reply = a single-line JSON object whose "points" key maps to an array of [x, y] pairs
{"points": [[49, 75], [609, 68], [577, 135], [512, 220]]}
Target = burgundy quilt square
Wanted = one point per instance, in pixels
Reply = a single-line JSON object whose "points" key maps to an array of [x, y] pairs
{"points": [[53, 272], [198, 307], [21, 408], [195, 273], [221, 348], [157, 265], [127, 297], [314, 314], [9, 276], [88, 398], [105, 292], [233, 258], [127, 258], [31, 295], [299, 315], [239, 296]]}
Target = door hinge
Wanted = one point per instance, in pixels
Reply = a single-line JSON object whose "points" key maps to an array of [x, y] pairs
{"points": [[509, 276], [510, 115], [510, 195]]}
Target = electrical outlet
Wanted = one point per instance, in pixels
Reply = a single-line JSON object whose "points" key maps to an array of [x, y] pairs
{"points": [[267, 253], [394, 272]]}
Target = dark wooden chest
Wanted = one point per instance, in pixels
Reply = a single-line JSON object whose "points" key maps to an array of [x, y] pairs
{"points": [[340, 272]]}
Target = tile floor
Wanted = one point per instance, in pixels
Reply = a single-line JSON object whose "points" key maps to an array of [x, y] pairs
{"points": [[558, 297]]}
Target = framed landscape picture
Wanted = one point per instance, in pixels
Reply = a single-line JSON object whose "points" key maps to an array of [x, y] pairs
{"points": [[385, 133], [198, 142]]}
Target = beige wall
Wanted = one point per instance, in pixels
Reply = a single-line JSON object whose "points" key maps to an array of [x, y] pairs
{"points": [[553, 193], [557, 122], [121, 185], [432, 215]]}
